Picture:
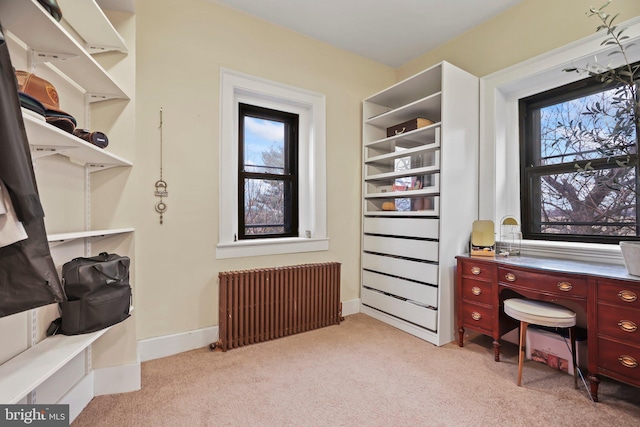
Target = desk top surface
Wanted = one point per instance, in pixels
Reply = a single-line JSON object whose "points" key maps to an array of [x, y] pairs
{"points": [[613, 271]]}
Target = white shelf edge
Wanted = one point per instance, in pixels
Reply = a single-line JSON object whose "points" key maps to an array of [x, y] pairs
{"points": [[401, 174], [26, 371], [29, 22], [404, 136], [402, 153], [48, 140], [403, 194], [382, 119], [64, 237], [423, 213], [89, 21]]}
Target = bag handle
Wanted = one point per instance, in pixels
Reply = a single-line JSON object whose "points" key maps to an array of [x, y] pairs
{"points": [[117, 277]]}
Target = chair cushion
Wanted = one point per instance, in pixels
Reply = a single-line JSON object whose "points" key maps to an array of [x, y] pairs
{"points": [[539, 313]]}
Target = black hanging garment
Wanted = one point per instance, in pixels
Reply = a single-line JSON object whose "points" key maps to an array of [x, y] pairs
{"points": [[28, 277]]}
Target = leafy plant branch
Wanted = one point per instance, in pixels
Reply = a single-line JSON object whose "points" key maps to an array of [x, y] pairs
{"points": [[620, 141]]}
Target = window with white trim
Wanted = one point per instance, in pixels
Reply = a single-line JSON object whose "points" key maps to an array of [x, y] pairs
{"points": [[310, 234]]}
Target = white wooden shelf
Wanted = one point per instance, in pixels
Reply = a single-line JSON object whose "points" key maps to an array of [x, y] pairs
{"points": [[397, 250], [390, 176], [49, 41], [428, 108], [46, 140], [409, 139], [29, 369], [94, 235], [388, 158], [403, 194], [90, 22], [409, 90]]}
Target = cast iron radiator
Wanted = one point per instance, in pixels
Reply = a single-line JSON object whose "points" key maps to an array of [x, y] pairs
{"points": [[264, 304]]}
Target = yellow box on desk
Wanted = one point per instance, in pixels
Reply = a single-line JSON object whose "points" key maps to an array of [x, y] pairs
{"points": [[551, 348]]}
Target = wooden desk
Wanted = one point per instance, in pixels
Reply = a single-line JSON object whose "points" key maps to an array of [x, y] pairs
{"points": [[607, 295]]}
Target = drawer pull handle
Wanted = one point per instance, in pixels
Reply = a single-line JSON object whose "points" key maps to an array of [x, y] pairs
{"points": [[476, 316], [510, 277], [476, 290], [628, 361], [565, 286], [627, 326], [627, 296], [475, 270]]}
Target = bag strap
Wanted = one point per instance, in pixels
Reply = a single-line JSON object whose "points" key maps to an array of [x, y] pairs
{"points": [[54, 327]]}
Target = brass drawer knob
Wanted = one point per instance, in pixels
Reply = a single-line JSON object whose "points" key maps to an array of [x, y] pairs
{"points": [[628, 361], [510, 277], [475, 270], [565, 286], [476, 290], [627, 296], [627, 326], [476, 316]]}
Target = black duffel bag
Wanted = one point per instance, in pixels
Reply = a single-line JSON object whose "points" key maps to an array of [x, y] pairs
{"points": [[98, 294], [82, 276], [104, 307]]}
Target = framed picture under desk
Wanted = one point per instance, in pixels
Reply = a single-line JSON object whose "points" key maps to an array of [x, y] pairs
{"points": [[604, 296]]}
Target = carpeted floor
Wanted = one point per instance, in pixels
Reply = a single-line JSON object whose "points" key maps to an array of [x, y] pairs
{"points": [[360, 373]]}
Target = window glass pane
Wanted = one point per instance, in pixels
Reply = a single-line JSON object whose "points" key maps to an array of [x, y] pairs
{"points": [[264, 206], [584, 129], [263, 146], [600, 202]]}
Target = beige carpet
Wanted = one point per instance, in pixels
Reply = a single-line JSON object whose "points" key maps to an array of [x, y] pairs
{"points": [[360, 373]]}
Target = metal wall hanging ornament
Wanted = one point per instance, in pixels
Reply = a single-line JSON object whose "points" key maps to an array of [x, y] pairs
{"points": [[161, 185]]}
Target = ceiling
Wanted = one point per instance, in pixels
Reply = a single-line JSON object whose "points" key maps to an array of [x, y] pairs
{"points": [[392, 32]]}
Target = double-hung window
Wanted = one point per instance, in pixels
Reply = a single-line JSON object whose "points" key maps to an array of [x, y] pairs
{"points": [[579, 164], [267, 173], [272, 193]]}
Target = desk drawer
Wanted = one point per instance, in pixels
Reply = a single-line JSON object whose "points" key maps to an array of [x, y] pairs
{"points": [[619, 294], [618, 322], [478, 317], [476, 290], [620, 359], [545, 282], [477, 269]]}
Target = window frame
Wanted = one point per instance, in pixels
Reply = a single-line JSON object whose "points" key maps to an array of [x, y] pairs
{"points": [[236, 87], [289, 177], [499, 179], [530, 159]]}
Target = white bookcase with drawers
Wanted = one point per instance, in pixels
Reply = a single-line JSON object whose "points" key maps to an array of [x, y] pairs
{"points": [[420, 198]]}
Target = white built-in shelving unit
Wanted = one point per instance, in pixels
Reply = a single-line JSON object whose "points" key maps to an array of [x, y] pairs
{"points": [[419, 198], [45, 370]]}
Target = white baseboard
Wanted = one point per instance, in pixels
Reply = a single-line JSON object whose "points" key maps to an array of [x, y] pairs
{"points": [[168, 345], [79, 396], [117, 379], [351, 307]]}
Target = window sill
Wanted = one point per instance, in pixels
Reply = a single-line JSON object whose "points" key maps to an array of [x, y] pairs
{"points": [[270, 247], [608, 254]]}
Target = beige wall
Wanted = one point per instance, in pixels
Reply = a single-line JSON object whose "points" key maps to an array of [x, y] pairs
{"points": [[528, 29], [180, 49], [179, 53]]}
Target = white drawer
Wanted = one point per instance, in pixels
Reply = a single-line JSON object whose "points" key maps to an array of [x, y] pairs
{"points": [[413, 270], [414, 313], [411, 227], [403, 288], [410, 248]]}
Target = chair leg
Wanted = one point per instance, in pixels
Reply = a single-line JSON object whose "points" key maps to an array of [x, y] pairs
{"points": [[523, 337], [572, 338]]}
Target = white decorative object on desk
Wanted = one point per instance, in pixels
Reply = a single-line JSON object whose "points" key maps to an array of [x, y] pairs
{"points": [[631, 255]]}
